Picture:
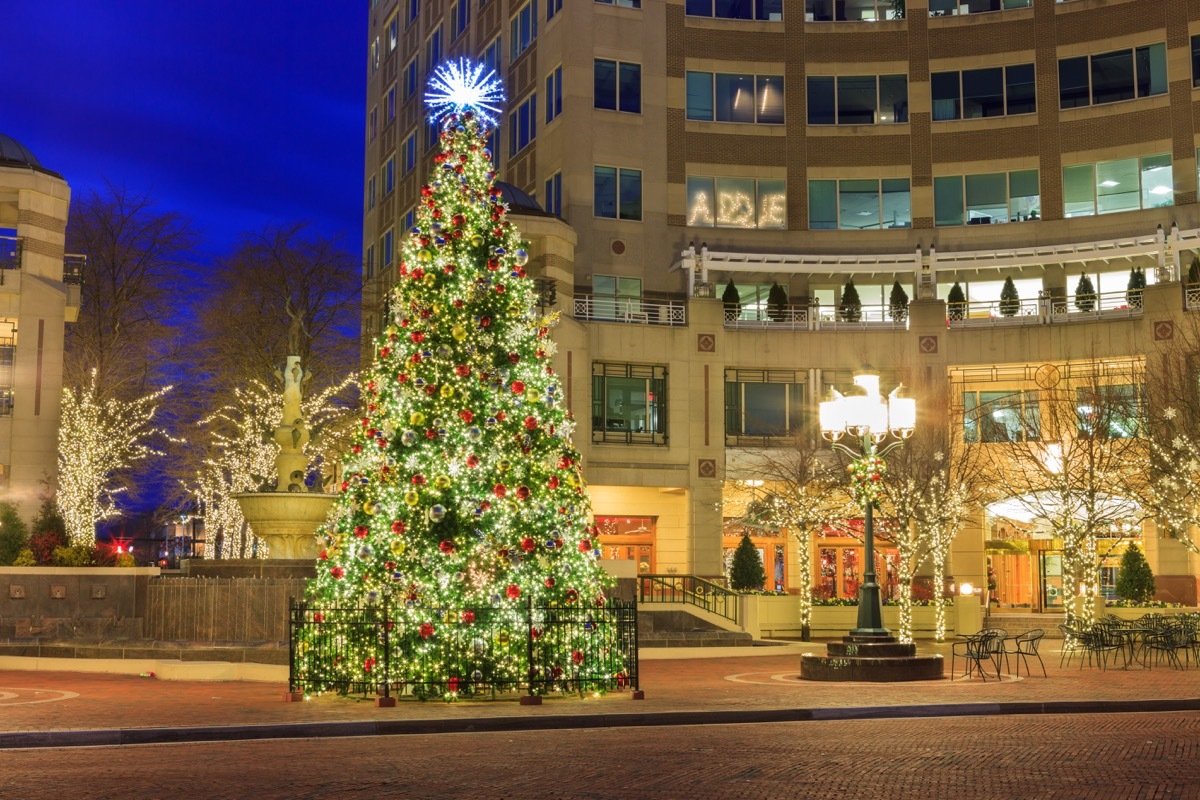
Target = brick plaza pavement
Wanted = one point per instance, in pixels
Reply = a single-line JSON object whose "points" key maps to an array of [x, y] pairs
{"points": [[32, 702], [981, 758]]}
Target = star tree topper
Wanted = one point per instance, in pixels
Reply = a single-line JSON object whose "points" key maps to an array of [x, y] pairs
{"points": [[457, 87]]}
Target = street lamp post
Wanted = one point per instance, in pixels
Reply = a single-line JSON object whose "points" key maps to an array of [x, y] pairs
{"points": [[868, 417]]}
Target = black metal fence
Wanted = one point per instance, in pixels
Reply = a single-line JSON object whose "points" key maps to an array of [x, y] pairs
{"points": [[689, 590], [486, 650]]}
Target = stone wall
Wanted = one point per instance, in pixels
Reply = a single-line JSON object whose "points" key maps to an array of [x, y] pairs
{"points": [[71, 603], [198, 609]]}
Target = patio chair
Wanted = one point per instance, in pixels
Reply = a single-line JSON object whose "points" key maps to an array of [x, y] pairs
{"points": [[1023, 646], [1070, 646], [999, 648], [975, 649], [1167, 642]]}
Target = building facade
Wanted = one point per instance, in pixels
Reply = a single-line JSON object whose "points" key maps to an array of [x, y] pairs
{"points": [[673, 149], [39, 293]]}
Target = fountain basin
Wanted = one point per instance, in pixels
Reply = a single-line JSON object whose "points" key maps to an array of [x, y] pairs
{"points": [[286, 521]]}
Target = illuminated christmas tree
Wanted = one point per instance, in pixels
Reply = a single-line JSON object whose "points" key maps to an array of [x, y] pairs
{"points": [[463, 511]]}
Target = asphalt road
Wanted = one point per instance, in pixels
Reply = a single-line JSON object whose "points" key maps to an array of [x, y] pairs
{"points": [[1153, 755]]}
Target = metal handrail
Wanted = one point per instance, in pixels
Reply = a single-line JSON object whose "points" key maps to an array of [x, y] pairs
{"points": [[689, 590], [640, 310]]}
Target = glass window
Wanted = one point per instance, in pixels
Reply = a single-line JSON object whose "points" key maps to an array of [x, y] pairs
{"points": [[554, 194], [897, 203], [893, 98], [1020, 90], [700, 95], [856, 99], [1158, 187], [945, 89], [1001, 416], [822, 205], [1079, 186], [819, 10], [983, 93], [617, 193], [1196, 61], [948, 201], [734, 98], [1108, 412], [858, 202], [700, 200], [630, 185], [605, 84], [523, 29], [1073, 88], [763, 402], [822, 108], [391, 105], [772, 204], [629, 89], [1117, 186], [1112, 77], [769, 99], [385, 247], [460, 17], [770, 10], [522, 123], [736, 207], [629, 403], [619, 3], [1024, 199], [491, 56], [605, 179], [764, 409], [1151, 65], [987, 198], [553, 95]]}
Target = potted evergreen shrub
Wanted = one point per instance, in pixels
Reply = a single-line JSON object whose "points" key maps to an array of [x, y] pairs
{"points": [[1010, 302], [777, 303], [1193, 276], [732, 301], [850, 307], [746, 573], [1133, 292], [1085, 294], [1135, 581], [956, 302], [898, 303]]}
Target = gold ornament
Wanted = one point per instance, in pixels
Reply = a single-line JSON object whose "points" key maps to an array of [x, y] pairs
{"points": [[397, 546], [442, 481], [417, 418], [369, 508], [424, 255], [477, 240], [458, 332], [412, 498], [447, 390]]}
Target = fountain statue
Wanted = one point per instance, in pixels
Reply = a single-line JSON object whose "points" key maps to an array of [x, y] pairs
{"points": [[287, 518]]}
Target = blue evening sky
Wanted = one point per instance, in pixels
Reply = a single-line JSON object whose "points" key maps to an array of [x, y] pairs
{"points": [[233, 112]]}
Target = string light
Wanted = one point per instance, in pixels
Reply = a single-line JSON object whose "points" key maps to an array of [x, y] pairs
{"points": [[459, 87]]}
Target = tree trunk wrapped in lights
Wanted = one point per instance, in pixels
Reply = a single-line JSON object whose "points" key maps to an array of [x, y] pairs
{"points": [[96, 441], [462, 495]]}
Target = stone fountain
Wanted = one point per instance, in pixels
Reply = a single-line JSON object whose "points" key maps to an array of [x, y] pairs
{"points": [[287, 518]]}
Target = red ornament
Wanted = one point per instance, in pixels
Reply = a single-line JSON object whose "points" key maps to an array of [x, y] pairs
{"points": [[485, 321], [323, 555], [384, 352], [468, 617], [417, 336], [577, 656], [528, 544], [565, 462], [427, 190], [430, 389], [493, 264], [356, 449], [446, 546], [462, 370], [426, 630], [553, 482], [514, 357], [368, 664], [467, 415], [523, 492], [486, 505], [361, 531], [572, 595], [389, 565], [499, 490], [430, 433], [499, 288], [337, 572], [383, 443], [513, 591], [501, 416], [398, 527], [549, 583], [418, 480], [518, 387], [402, 377], [531, 423], [416, 358], [318, 617], [472, 461], [585, 545], [458, 220]]}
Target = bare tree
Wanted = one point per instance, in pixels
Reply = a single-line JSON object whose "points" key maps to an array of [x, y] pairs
{"points": [[137, 257], [801, 490], [1070, 460]]}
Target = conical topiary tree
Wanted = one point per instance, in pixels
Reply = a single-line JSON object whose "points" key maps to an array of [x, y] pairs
{"points": [[1085, 294], [777, 303], [1133, 291], [1135, 581], [956, 302], [746, 573], [1193, 276], [850, 306], [898, 302], [732, 301], [463, 513], [1010, 301]]}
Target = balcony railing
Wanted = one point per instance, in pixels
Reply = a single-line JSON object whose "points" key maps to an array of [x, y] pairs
{"points": [[637, 310], [1047, 310], [815, 317], [1191, 296], [73, 266]]}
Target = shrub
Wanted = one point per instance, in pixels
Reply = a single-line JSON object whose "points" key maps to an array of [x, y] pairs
{"points": [[125, 560], [732, 301], [25, 559], [14, 534], [777, 303], [956, 302], [1135, 581], [898, 302], [850, 308], [1193, 275], [44, 544], [48, 519], [1010, 301], [79, 555], [746, 573], [1133, 291], [1085, 294]]}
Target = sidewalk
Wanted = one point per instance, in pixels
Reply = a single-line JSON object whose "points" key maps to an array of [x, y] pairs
{"points": [[46, 709]]}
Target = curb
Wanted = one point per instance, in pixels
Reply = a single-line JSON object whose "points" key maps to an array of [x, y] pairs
{"points": [[322, 730]]}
